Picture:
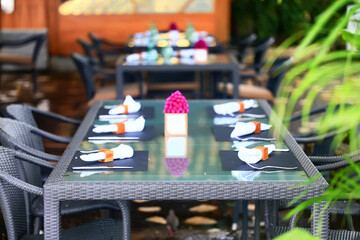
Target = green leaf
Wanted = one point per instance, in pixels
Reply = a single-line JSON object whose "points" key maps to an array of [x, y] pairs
{"points": [[352, 38], [298, 234]]}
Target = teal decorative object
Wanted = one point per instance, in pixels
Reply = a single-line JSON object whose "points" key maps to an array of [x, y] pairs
{"points": [[167, 53], [152, 55]]}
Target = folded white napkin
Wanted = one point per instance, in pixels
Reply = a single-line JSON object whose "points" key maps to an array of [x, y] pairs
{"points": [[136, 125], [242, 129], [188, 61], [120, 152], [184, 53], [232, 107], [253, 155], [174, 35], [131, 105], [141, 34], [141, 41], [135, 57]]}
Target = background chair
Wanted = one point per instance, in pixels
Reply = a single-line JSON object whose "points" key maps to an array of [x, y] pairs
{"points": [[87, 72], [276, 75], [24, 61], [89, 51], [243, 46], [105, 49], [253, 72], [339, 207], [16, 208], [28, 139]]}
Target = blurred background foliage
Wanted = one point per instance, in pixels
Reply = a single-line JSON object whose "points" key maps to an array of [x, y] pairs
{"points": [[280, 19]]}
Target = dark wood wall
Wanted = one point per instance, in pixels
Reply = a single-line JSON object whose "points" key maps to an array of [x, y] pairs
{"points": [[64, 30]]}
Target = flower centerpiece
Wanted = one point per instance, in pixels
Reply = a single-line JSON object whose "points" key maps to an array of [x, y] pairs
{"points": [[176, 120], [201, 51]]}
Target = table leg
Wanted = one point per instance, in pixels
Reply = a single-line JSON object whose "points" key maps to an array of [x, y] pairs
{"points": [[51, 217], [320, 221], [236, 81], [119, 82]]}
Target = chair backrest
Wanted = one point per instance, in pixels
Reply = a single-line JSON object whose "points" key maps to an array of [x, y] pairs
{"points": [[260, 50], [86, 71], [95, 39], [13, 131], [20, 112], [39, 41], [88, 49], [243, 44], [13, 203], [277, 73], [97, 43]]}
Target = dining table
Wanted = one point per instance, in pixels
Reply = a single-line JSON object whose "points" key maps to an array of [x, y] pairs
{"points": [[138, 44], [203, 165], [216, 63]]}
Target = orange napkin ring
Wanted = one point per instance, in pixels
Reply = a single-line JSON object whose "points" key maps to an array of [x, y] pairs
{"points": [[126, 108], [242, 107], [120, 127], [257, 126], [265, 152], [109, 155]]}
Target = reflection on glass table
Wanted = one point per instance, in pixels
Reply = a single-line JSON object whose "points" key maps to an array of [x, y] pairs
{"points": [[193, 158]]}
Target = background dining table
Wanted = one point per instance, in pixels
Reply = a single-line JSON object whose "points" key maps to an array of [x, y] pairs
{"points": [[216, 63]]}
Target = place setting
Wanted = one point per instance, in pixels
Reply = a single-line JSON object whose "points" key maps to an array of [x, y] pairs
{"points": [[128, 124], [120, 158], [258, 156], [129, 109], [236, 110]]}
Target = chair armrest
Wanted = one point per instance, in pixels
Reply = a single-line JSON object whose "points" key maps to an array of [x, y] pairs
{"points": [[107, 74], [56, 116], [110, 51], [124, 207], [312, 112], [332, 166], [35, 160], [21, 184], [35, 152], [51, 136]]}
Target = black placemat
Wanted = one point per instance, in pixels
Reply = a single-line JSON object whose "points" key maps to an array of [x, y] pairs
{"points": [[222, 134], [139, 162], [230, 161], [212, 114], [146, 112], [146, 135]]}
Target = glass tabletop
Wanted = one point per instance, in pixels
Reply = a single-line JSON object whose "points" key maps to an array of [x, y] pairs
{"points": [[164, 40], [192, 158], [213, 59]]}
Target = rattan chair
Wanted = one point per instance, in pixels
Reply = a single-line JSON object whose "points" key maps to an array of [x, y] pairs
{"points": [[30, 62], [28, 139], [274, 230], [88, 72], [243, 46], [17, 210], [89, 51], [260, 49], [105, 48], [25, 113], [276, 74], [338, 207]]}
